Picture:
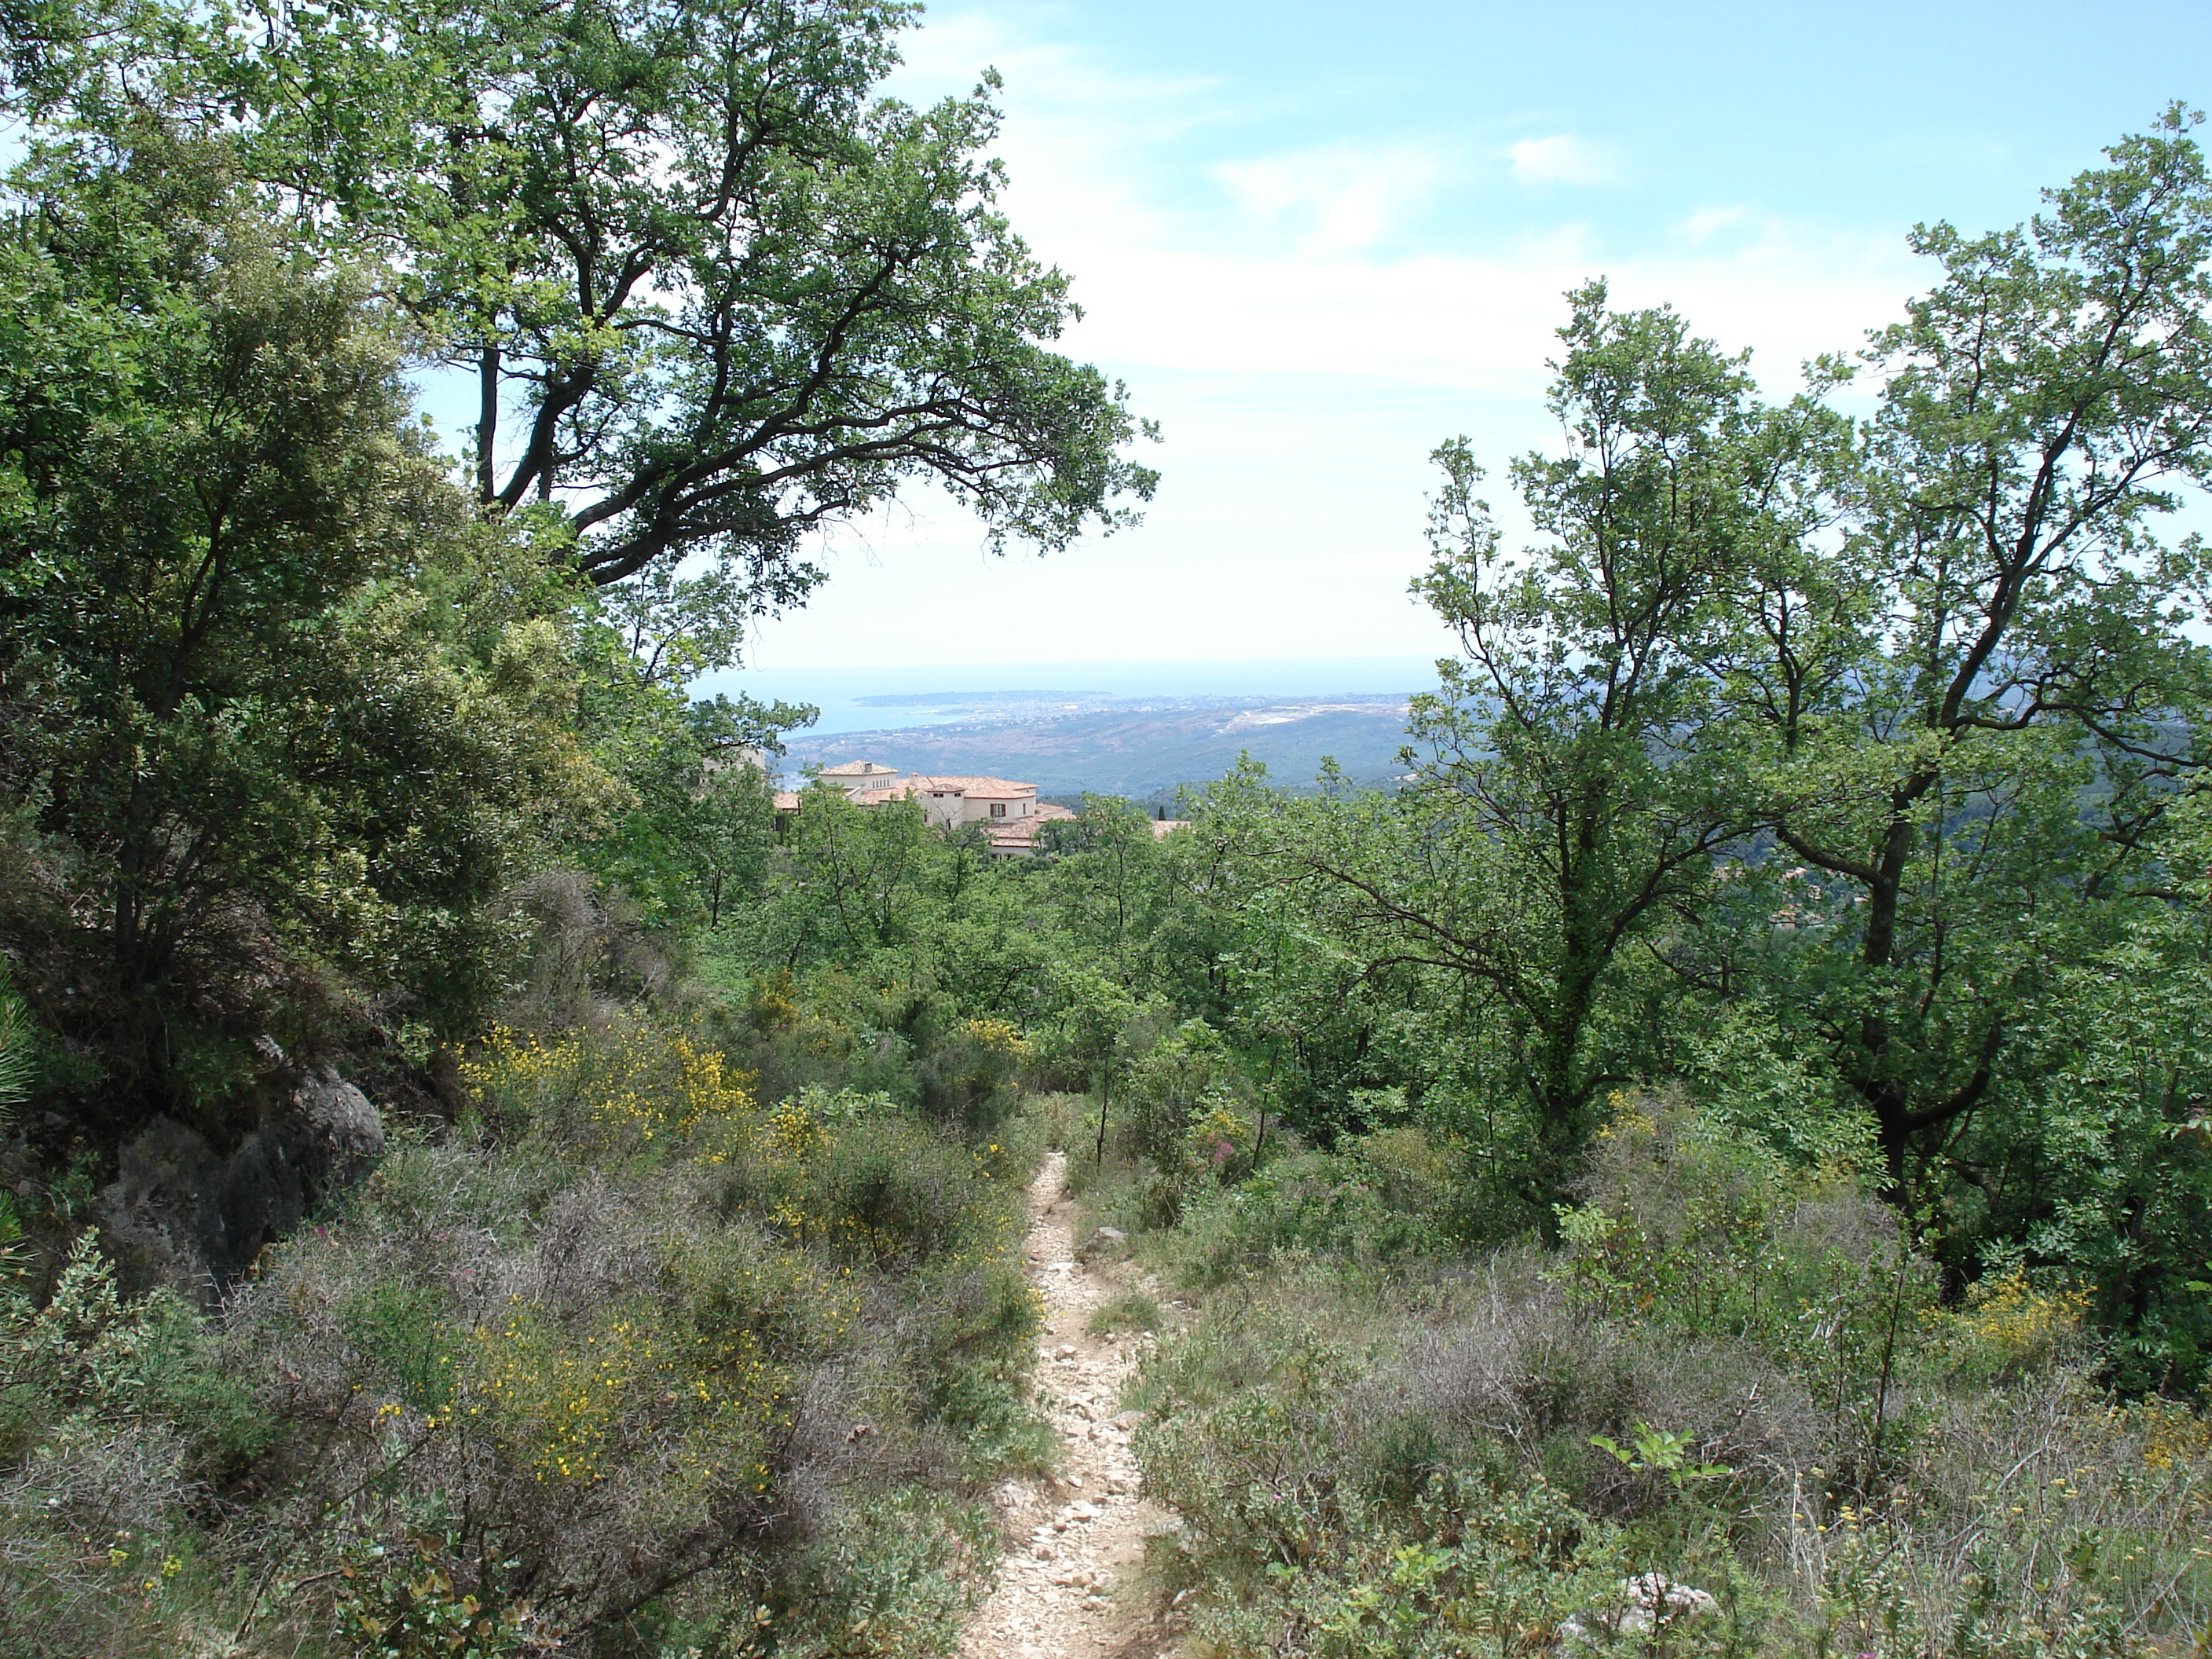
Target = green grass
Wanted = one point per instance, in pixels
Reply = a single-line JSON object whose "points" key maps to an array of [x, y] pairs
{"points": [[1129, 1311]]}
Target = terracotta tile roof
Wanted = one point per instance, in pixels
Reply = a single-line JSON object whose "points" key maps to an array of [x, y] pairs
{"points": [[885, 785], [982, 788], [1012, 834], [1161, 826]]}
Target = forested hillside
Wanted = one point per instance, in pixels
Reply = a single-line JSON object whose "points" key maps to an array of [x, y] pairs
{"points": [[1715, 1156]]}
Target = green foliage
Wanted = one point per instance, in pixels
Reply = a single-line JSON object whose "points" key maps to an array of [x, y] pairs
{"points": [[1389, 1459], [298, 734], [2113, 1138], [1132, 1311], [1187, 1095], [714, 293], [1577, 772], [895, 1582], [694, 839], [1975, 713], [16, 1058], [1786, 957], [113, 1413], [893, 1191], [1304, 1202], [402, 1604], [661, 1357], [1846, 772], [1661, 1450], [970, 1078], [282, 719], [1481, 1571]]}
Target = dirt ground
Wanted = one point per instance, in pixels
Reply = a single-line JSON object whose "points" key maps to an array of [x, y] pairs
{"points": [[1070, 1586]]}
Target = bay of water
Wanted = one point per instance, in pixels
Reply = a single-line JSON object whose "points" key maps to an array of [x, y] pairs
{"points": [[842, 693]]}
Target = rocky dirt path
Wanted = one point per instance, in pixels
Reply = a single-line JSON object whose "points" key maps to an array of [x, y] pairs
{"points": [[1067, 1588]]}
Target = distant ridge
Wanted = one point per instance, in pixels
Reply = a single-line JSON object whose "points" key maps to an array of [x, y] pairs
{"points": [[924, 699]]}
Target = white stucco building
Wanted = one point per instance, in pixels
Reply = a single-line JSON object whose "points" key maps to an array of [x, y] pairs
{"points": [[1006, 812]]}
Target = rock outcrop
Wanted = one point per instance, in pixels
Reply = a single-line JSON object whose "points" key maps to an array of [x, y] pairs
{"points": [[182, 1214], [1103, 1242]]}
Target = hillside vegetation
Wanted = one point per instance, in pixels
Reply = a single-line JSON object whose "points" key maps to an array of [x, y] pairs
{"points": [[1730, 1116]]}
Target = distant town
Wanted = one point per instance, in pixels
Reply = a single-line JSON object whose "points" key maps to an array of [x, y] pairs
{"points": [[1145, 748], [1008, 813]]}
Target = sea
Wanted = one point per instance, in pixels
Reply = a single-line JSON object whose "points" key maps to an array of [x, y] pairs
{"points": [[898, 696]]}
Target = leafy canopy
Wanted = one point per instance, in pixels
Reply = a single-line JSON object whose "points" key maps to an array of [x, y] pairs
{"points": [[713, 294]]}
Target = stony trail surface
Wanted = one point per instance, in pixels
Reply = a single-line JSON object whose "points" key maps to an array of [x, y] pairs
{"points": [[1068, 1587]]}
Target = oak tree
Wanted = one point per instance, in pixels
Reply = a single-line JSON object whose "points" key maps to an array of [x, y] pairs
{"points": [[713, 291]]}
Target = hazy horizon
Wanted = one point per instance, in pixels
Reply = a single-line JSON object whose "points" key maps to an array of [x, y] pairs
{"points": [[837, 691]]}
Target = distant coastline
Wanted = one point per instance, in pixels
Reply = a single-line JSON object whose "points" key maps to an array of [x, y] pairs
{"points": [[903, 695], [1143, 748]]}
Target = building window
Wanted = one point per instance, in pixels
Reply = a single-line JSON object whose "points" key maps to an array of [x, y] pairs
{"points": [[998, 809]]}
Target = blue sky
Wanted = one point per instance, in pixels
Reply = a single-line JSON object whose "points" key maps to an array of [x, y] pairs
{"points": [[1315, 241]]}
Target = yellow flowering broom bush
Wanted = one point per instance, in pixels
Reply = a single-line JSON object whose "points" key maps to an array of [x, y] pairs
{"points": [[635, 1365], [618, 1091]]}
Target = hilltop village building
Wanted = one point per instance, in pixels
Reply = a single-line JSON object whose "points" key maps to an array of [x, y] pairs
{"points": [[1007, 813]]}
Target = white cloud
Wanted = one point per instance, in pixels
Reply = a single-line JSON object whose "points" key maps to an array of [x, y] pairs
{"points": [[1479, 324], [1301, 368], [1344, 197], [1562, 159], [1708, 222]]}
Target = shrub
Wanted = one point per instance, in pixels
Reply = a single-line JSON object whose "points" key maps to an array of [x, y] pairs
{"points": [[1312, 1202], [1686, 1225], [114, 1415], [969, 1077], [852, 1173], [403, 1604], [2007, 1326], [611, 1091], [1187, 1077], [1732, 1371], [611, 1374], [891, 1580]]}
